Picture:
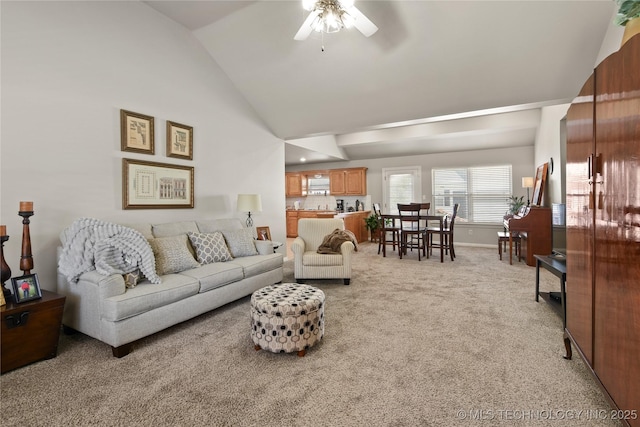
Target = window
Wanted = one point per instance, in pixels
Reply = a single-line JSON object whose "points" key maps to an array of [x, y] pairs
{"points": [[482, 192], [400, 185]]}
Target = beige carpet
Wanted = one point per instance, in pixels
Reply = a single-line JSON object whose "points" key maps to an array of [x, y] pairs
{"points": [[408, 343]]}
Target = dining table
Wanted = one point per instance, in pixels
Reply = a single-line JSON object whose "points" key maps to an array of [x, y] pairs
{"points": [[393, 218]]}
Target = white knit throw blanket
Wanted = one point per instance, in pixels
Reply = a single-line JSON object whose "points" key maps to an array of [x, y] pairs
{"points": [[92, 244]]}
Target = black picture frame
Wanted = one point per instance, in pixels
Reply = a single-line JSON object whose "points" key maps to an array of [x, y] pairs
{"points": [[23, 294]]}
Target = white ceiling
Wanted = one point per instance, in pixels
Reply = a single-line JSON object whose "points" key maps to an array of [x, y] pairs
{"points": [[438, 76]]}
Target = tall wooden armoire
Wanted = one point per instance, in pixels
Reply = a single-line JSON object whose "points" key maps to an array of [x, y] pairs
{"points": [[603, 226]]}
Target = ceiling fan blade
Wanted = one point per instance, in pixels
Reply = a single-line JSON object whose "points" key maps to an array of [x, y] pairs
{"points": [[306, 29], [361, 22]]}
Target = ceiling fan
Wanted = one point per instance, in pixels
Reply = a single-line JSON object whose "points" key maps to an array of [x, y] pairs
{"points": [[330, 16]]}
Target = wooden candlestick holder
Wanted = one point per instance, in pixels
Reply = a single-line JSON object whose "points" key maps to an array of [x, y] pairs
{"points": [[26, 259], [5, 271]]}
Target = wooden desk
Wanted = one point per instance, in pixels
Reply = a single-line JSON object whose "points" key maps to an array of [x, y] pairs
{"points": [[557, 266]]}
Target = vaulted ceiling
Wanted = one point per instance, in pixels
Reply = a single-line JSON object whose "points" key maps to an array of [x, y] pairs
{"points": [[438, 76]]}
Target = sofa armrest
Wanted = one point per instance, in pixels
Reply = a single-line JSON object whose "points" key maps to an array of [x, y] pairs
{"points": [[298, 246], [264, 247], [347, 248]]}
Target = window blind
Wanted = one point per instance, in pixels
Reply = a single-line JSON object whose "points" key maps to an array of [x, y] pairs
{"points": [[482, 192]]}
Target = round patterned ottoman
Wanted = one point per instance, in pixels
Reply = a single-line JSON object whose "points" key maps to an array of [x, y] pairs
{"points": [[287, 317]]}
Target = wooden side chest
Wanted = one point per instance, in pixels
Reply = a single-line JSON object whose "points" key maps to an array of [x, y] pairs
{"points": [[30, 331]]}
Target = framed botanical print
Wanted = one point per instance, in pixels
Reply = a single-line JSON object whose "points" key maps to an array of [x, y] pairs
{"points": [[136, 132], [152, 185], [179, 140]]}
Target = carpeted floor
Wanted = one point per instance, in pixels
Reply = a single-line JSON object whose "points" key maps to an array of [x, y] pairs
{"points": [[408, 343]]}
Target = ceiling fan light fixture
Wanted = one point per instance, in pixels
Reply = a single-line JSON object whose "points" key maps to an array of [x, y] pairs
{"points": [[330, 16]]}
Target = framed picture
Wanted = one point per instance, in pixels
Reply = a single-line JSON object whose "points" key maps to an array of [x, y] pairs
{"points": [[26, 288], [538, 186], [151, 185], [263, 233], [179, 141], [136, 132]]}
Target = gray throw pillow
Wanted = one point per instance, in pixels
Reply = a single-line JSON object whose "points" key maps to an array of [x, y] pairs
{"points": [[210, 247], [172, 254], [240, 242]]}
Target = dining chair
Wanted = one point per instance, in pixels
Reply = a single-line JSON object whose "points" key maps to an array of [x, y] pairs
{"points": [[387, 229], [411, 236], [447, 234]]}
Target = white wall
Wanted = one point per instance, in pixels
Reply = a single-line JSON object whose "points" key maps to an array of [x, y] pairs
{"points": [[67, 70], [549, 144]]}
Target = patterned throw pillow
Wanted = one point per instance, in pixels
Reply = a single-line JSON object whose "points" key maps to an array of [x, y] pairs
{"points": [[210, 247], [132, 278], [172, 254], [240, 242]]}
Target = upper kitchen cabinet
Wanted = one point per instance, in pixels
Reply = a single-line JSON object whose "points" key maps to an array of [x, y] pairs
{"points": [[348, 182], [293, 184]]}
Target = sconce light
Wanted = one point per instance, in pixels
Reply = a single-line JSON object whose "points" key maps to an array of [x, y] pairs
{"points": [[527, 182], [249, 203]]}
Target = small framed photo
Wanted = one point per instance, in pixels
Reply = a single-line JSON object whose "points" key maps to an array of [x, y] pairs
{"points": [[26, 288], [179, 141], [136, 132], [263, 233]]}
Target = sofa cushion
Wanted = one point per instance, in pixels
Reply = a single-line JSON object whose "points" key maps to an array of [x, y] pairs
{"points": [[211, 225], [174, 228], [147, 296], [240, 242], [264, 247], [254, 265], [210, 247], [315, 259], [172, 254], [216, 274], [143, 227]]}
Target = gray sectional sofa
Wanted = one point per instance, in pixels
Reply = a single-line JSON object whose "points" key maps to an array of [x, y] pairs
{"points": [[118, 313]]}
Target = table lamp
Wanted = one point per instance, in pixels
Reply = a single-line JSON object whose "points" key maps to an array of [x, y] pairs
{"points": [[249, 203], [527, 182]]}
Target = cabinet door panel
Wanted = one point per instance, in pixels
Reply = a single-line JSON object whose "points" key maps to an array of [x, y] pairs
{"points": [[579, 287], [337, 183], [617, 227]]}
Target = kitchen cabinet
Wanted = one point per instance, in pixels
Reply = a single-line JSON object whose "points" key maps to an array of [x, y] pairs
{"points": [[292, 223], [293, 184], [354, 222], [348, 182]]}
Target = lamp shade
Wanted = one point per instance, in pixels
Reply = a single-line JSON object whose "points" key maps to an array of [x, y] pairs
{"points": [[249, 203], [527, 182]]}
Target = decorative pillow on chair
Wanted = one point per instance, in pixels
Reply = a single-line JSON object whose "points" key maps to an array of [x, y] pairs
{"points": [[240, 242], [210, 247], [172, 254]]}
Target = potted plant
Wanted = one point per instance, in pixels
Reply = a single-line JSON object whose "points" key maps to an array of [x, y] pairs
{"points": [[515, 203], [628, 16], [373, 223]]}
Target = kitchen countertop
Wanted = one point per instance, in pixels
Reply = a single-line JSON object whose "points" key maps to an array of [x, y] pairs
{"points": [[327, 212]]}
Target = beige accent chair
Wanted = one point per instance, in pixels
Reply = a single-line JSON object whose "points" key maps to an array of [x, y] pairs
{"points": [[308, 264]]}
